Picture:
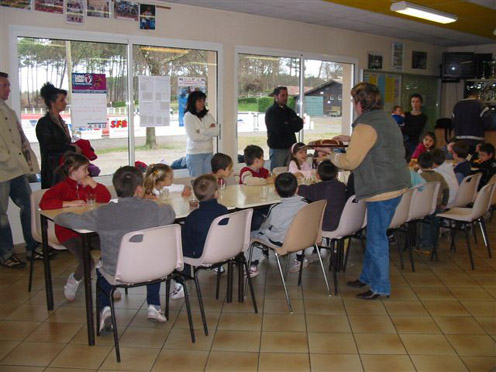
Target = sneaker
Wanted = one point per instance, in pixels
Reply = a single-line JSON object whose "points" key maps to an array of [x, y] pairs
{"points": [[155, 313], [117, 295], [71, 287], [220, 268], [105, 321], [296, 266], [253, 271], [13, 262], [177, 292]]}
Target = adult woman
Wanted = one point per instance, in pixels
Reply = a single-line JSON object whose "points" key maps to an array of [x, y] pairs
{"points": [[53, 134], [380, 179], [415, 121], [201, 128]]}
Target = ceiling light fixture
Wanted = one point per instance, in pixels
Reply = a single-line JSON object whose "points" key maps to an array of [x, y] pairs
{"points": [[418, 11]]}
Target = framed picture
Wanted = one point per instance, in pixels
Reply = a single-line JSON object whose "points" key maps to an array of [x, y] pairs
{"points": [[124, 9], [50, 6], [19, 4], [74, 11], [98, 8], [147, 17], [375, 61], [419, 60], [397, 56]]}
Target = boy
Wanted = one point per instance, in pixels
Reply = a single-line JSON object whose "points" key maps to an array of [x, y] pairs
{"points": [[222, 168], [462, 167], [430, 232], [197, 224], [487, 165], [280, 216], [446, 170], [254, 173], [112, 222]]}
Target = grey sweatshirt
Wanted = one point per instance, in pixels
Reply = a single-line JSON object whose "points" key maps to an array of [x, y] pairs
{"points": [[114, 220]]}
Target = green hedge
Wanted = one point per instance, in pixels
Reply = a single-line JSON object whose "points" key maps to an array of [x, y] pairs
{"points": [[247, 100]]}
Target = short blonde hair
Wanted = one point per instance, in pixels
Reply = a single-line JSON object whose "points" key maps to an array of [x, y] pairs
{"points": [[205, 187]]}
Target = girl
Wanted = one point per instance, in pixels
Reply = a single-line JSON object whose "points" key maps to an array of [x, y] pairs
{"points": [[428, 144], [74, 189], [160, 176], [298, 164]]}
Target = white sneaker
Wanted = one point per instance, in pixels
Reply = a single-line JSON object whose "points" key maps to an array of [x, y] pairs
{"points": [[71, 287], [296, 266], [254, 271], [156, 314], [105, 321], [177, 292]]}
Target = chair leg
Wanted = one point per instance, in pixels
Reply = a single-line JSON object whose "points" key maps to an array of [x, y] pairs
{"points": [[333, 265], [114, 326], [453, 233], [347, 255], [323, 271], [200, 302], [97, 304], [250, 283], [31, 269], [167, 296], [284, 283], [219, 274], [472, 226], [300, 272], [241, 287], [482, 225], [126, 291], [188, 311], [230, 282], [469, 248]]}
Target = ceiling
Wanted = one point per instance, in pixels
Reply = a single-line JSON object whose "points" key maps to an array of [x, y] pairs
{"points": [[475, 25]]}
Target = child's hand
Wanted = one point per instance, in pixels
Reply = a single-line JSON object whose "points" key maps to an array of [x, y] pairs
{"points": [[270, 179], [186, 191], [73, 203], [299, 175], [342, 138], [88, 181]]}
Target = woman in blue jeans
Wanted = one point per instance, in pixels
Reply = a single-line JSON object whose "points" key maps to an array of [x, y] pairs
{"points": [[200, 128], [375, 154]]}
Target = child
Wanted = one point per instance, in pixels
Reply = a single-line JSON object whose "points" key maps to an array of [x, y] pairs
{"points": [[446, 170], [112, 222], [487, 165], [159, 177], [73, 191], [319, 155], [298, 164], [462, 168], [430, 232], [398, 116], [254, 173], [222, 168], [280, 216], [428, 144], [198, 222]]}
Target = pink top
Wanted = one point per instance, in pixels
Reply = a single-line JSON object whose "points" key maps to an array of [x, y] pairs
{"points": [[306, 169], [419, 151]]}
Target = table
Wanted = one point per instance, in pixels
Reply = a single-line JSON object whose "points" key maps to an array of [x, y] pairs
{"points": [[233, 197]]}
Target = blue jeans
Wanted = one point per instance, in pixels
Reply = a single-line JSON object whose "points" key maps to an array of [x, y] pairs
{"points": [[278, 158], [19, 191], [152, 292], [375, 271], [199, 164]]}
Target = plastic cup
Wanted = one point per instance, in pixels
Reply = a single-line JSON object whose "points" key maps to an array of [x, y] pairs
{"points": [[91, 200], [193, 203]]}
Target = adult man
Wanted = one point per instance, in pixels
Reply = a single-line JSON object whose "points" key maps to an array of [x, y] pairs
{"points": [[282, 124], [374, 154], [17, 160], [470, 118]]}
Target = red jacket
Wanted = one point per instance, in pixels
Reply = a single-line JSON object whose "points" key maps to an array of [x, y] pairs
{"points": [[69, 190], [262, 173], [419, 150]]}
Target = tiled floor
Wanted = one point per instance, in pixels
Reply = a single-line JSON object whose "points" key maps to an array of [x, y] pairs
{"points": [[440, 318]]}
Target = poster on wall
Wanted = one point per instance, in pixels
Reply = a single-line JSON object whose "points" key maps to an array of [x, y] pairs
{"points": [[389, 85], [49, 6], [154, 101], [19, 4], [124, 9], [186, 85], [89, 103], [98, 8], [74, 11], [147, 17], [375, 61], [397, 56], [419, 60]]}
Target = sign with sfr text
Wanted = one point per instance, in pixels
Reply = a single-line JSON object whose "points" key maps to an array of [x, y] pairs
{"points": [[118, 127], [89, 101]]}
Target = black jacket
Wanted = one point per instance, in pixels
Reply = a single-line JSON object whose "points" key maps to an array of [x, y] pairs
{"points": [[282, 124]]}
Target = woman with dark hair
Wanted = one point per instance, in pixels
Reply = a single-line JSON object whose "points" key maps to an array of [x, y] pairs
{"points": [[201, 128], [415, 121], [53, 134]]}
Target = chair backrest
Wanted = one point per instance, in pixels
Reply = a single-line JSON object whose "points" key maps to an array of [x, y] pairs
{"points": [[305, 229], [422, 198], [467, 191], [401, 213], [228, 236], [149, 254], [491, 181], [36, 222], [353, 218], [483, 201], [278, 170], [186, 181]]}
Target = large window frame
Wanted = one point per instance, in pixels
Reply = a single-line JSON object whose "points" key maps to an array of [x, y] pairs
{"points": [[130, 40]]}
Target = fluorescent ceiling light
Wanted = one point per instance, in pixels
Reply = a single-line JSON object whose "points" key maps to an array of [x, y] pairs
{"points": [[418, 11]]}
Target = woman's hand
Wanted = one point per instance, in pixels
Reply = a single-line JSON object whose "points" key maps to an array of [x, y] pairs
{"points": [[186, 191], [342, 138], [88, 181], [73, 203]]}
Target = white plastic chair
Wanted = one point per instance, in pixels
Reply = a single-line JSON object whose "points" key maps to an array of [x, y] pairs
{"points": [[53, 242], [145, 257], [399, 219], [493, 201], [352, 220], [304, 232], [227, 239], [467, 191], [466, 216], [278, 170]]}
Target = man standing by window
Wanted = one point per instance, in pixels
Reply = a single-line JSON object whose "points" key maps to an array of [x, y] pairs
{"points": [[282, 124], [17, 160]]}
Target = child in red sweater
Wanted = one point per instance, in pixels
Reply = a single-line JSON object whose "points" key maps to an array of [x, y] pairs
{"points": [[73, 191], [428, 144]]}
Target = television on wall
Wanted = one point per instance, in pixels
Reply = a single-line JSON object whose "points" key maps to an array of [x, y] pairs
{"points": [[460, 65]]}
